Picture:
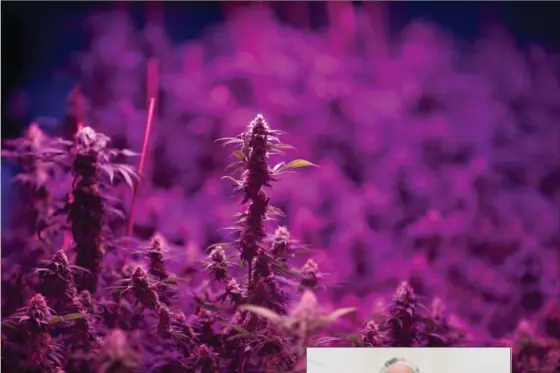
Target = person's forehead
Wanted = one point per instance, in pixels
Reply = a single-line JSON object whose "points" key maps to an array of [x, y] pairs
{"points": [[399, 368]]}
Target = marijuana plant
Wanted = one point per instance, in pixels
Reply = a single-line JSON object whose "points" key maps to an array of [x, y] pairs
{"points": [[89, 206]]}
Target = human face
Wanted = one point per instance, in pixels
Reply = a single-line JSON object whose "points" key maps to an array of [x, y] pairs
{"points": [[400, 368]]}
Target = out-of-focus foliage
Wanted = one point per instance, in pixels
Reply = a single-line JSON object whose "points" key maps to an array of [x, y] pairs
{"points": [[439, 165]]}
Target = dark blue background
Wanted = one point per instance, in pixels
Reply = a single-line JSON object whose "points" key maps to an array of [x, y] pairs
{"points": [[38, 37]]}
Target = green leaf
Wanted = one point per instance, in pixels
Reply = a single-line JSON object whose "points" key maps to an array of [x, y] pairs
{"points": [[223, 244], [238, 336], [339, 313], [55, 320], [239, 154], [74, 316], [283, 146], [237, 328], [300, 163], [351, 337], [263, 312]]}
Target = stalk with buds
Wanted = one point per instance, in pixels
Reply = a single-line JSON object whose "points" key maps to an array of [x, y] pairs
{"points": [[57, 284], [256, 144], [33, 326], [405, 319], [88, 207], [28, 152]]}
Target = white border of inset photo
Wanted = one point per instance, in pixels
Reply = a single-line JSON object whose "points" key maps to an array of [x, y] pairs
{"points": [[419, 360]]}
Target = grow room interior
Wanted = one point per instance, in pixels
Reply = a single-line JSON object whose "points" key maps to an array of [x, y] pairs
{"points": [[215, 186]]}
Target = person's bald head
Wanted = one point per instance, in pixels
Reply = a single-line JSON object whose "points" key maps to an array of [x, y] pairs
{"points": [[399, 365], [399, 368]]}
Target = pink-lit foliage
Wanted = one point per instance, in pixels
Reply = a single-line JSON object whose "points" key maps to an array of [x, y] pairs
{"points": [[439, 176]]}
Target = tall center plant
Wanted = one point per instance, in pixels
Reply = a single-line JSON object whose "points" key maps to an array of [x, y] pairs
{"points": [[275, 341]]}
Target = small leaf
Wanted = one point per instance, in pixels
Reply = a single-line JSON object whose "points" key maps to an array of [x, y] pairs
{"points": [[9, 324], [278, 167], [300, 163], [238, 336], [239, 154], [209, 307], [118, 213], [110, 171], [235, 165], [436, 336], [263, 312], [339, 313], [55, 320], [283, 146], [223, 244], [129, 153], [235, 327], [230, 140], [127, 173], [74, 316], [172, 279], [237, 182], [23, 318]]}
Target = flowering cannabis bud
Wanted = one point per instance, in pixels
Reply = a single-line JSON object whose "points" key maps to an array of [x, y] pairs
{"points": [[205, 360], [404, 320], [155, 256], [35, 321], [57, 279], [89, 142], [156, 268], [88, 210], [234, 292], [86, 300], [37, 310], [164, 321], [372, 336], [58, 283], [143, 290], [217, 264], [259, 138], [281, 243], [309, 274]]}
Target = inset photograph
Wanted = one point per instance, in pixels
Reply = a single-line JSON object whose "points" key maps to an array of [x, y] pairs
{"points": [[409, 360]]}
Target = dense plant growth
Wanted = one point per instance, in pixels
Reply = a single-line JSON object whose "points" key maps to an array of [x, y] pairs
{"points": [[430, 221]]}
